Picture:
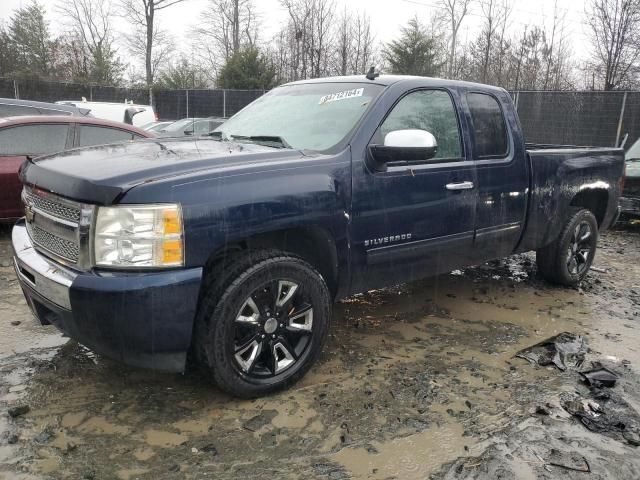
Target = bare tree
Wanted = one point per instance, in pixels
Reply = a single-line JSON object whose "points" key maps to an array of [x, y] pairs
{"points": [[89, 24], [495, 20], [364, 53], [454, 11], [556, 53], [226, 27], [615, 39], [142, 13], [353, 43], [309, 35]]}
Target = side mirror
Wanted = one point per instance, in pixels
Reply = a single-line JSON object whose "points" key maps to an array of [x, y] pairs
{"points": [[403, 147]]}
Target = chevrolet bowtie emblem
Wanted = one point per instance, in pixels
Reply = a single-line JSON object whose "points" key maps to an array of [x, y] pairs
{"points": [[29, 213]]}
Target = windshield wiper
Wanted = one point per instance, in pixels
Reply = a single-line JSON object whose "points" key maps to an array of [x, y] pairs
{"points": [[269, 140], [632, 160]]}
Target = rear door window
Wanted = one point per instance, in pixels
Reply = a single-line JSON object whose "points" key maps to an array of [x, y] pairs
{"points": [[95, 135], [33, 139], [489, 128]]}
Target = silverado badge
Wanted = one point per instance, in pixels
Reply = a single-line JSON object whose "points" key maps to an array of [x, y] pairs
{"points": [[386, 240]]}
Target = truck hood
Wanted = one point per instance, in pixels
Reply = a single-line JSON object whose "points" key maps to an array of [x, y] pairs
{"points": [[102, 174]]}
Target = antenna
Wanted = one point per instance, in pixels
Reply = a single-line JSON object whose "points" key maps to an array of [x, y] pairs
{"points": [[373, 73]]}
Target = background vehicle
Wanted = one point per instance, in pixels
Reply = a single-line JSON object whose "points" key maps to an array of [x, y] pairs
{"points": [[125, 112], [155, 126], [23, 137], [630, 200], [179, 128], [204, 126], [234, 246], [14, 108]]}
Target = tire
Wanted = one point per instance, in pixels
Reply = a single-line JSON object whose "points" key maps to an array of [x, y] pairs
{"points": [[567, 260], [261, 322]]}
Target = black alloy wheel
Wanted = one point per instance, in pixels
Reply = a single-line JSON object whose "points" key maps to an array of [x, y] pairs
{"points": [[580, 248], [273, 329], [567, 260], [263, 318]]}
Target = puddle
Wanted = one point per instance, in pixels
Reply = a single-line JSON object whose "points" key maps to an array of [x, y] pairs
{"points": [[411, 457]]}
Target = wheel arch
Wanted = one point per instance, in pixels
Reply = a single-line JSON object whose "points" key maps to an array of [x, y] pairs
{"points": [[595, 200], [314, 244]]}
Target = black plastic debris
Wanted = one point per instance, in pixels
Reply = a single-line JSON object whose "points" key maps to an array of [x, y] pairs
{"points": [[600, 377], [565, 350], [18, 410], [617, 420]]}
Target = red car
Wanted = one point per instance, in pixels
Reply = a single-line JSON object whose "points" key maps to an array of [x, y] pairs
{"points": [[22, 137]]}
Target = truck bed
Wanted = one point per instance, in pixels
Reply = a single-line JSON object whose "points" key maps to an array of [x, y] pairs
{"points": [[558, 173]]}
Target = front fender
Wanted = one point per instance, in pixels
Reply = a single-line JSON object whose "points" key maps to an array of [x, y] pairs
{"points": [[220, 210]]}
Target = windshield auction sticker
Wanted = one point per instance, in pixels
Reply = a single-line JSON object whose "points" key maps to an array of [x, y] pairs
{"points": [[334, 97]]}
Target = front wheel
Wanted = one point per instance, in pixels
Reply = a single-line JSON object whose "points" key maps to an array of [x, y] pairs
{"points": [[567, 260], [262, 328]]}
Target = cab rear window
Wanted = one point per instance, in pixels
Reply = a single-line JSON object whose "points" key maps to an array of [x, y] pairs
{"points": [[489, 128]]}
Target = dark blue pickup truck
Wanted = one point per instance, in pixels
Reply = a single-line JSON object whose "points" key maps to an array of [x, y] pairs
{"points": [[233, 247]]}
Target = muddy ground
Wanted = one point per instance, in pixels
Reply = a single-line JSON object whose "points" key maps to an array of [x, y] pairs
{"points": [[417, 381]]}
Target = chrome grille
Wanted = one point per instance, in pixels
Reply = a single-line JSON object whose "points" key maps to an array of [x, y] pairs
{"points": [[52, 207], [61, 247], [58, 227]]}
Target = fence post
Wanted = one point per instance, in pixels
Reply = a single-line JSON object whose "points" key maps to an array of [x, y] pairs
{"points": [[16, 92], [224, 103], [90, 93], [624, 104], [517, 99], [187, 95]]}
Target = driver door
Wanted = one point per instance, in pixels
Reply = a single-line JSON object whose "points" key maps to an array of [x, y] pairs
{"points": [[415, 220]]}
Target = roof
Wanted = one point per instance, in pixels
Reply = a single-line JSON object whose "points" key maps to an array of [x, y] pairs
{"points": [[82, 103], [36, 119], [51, 106], [387, 80]]}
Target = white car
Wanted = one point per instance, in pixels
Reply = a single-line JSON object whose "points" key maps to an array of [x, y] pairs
{"points": [[127, 112]]}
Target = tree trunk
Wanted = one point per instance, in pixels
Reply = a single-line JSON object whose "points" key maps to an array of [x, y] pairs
{"points": [[236, 26], [149, 49]]}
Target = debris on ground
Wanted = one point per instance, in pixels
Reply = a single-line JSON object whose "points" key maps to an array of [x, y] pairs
{"points": [[568, 461], [616, 418], [565, 350], [600, 377], [18, 410], [543, 410]]}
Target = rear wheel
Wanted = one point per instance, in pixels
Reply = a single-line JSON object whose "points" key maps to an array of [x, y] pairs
{"points": [[262, 328], [567, 260]]}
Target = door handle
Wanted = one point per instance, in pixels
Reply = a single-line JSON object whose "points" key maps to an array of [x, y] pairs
{"points": [[460, 186]]}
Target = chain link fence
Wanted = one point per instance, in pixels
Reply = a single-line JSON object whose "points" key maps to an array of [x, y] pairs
{"points": [[168, 104], [579, 118], [566, 118]]}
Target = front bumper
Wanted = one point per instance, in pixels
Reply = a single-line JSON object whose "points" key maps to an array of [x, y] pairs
{"points": [[630, 206], [141, 319]]}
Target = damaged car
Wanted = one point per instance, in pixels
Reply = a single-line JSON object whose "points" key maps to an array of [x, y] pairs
{"points": [[233, 247]]}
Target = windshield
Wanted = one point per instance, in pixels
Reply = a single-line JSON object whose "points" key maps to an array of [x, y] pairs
{"points": [[306, 117], [179, 125]]}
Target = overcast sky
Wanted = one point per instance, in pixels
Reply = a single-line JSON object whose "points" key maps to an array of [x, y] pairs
{"points": [[386, 16]]}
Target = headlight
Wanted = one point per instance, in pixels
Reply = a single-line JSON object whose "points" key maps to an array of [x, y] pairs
{"points": [[139, 236]]}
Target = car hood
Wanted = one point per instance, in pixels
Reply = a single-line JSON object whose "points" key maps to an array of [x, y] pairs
{"points": [[102, 174]]}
